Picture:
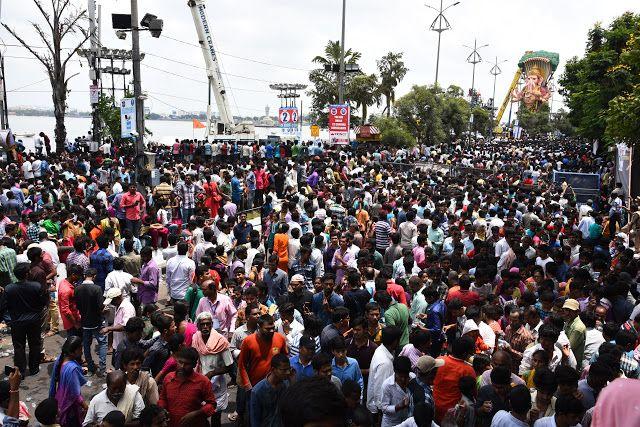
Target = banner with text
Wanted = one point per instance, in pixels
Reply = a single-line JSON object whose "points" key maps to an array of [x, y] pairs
{"points": [[339, 124], [127, 117], [288, 119]]}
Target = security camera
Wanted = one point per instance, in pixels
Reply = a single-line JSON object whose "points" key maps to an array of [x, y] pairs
{"points": [[121, 34]]}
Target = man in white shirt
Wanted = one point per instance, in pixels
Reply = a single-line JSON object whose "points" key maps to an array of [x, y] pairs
{"points": [[49, 247], [547, 339], [118, 396], [36, 166], [381, 367], [27, 169], [180, 271], [119, 279], [117, 186]]}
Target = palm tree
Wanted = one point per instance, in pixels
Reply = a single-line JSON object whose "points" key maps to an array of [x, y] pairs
{"points": [[363, 89], [392, 71], [324, 89], [332, 55]]}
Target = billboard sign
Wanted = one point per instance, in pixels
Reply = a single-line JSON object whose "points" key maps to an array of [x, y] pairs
{"points": [[288, 119], [339, 124], [127, 117]]}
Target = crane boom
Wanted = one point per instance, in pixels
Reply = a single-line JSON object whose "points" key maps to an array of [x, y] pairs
{"points": [[503, 107], [216, 84]]}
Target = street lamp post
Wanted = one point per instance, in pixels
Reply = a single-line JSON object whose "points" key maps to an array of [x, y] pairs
{"points": [[440, 24], [341, 72], [137, 86], [495, 71], [474, 58]]}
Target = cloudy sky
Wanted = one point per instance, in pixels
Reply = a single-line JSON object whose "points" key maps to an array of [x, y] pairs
{"points": [[264, 41]]}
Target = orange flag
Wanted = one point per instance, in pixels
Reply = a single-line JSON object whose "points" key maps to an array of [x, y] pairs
{"points": [[197, 124]]}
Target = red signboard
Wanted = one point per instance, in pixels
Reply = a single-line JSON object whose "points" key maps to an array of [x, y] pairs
{"points": [[288, 115]]}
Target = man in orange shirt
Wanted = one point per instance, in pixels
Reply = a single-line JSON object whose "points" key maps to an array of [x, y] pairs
{"points": [[256, 351], [133, 204], [446, 392]]}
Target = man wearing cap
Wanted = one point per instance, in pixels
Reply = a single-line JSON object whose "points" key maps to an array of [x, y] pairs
{"points": [[124, 312], [420, 386], [574, 328], [299, 296]]}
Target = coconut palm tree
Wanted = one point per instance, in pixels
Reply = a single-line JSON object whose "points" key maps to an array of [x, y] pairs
{"points": [[332, 55], [392, 71]]}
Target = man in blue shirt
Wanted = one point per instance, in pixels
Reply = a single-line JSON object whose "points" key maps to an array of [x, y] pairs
{"points": [[302, 362], [242, 230], [344, 368], [276, 279], [266, 394], [101, 260], [236, 188], [324, 302]]}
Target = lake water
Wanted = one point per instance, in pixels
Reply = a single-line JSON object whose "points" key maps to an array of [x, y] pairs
{"points": [[164, 131]]}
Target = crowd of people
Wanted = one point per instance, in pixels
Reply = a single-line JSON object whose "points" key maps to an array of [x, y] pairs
{"points": [[298, 284]]}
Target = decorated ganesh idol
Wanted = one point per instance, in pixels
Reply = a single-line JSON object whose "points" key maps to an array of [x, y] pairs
{"points": [[537, 68]]}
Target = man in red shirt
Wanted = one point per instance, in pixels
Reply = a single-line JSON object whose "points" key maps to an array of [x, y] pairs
{"points": [[397, 292], [133, 204], [254, 362], [66, 301], [463, 293], [186, 394]]}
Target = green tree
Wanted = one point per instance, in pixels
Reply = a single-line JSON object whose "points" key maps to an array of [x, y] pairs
{"points": [[455, 111], [623, 117], [481, 121], [109, 116], [560, 122], [534, 123], [325, 83], [393, 132], [392, 71], [363, 90], [420, 112], [609, 68]]}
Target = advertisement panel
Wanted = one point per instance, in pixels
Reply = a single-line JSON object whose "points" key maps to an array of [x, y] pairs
{"points": [[339, 124], [127, 117], [288, 119]]}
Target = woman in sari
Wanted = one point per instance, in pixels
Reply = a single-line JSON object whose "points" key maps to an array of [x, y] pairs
{"points": [[66, 382], [281, 247], [213, 196]]}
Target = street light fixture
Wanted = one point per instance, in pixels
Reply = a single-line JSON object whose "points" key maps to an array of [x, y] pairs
{"points": [[473, 58], [440, 24], [494, 71]]}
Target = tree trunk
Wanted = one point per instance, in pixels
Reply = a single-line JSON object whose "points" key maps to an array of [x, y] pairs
{"points": [[364, 113], [388, 98], [59, 106]]}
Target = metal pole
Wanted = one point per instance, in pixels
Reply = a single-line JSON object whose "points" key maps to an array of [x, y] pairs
{"points": [[495, 70], [493, 102], [439, 36], [93, 31], [113, 83], [137, 86], [4, 119], [473, 77], [341, 74]]}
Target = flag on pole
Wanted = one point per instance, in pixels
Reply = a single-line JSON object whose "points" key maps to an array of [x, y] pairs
{"points": [[197, 124]]}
